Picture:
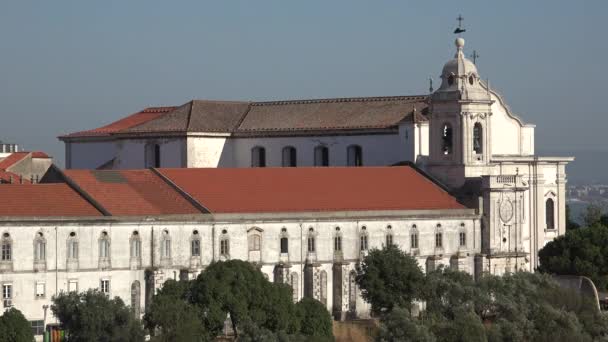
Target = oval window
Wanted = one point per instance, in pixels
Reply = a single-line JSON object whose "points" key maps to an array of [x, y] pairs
{"points": [[471, 79]]}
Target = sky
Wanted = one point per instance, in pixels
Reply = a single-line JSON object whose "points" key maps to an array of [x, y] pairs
{"points": [[67, 66]]}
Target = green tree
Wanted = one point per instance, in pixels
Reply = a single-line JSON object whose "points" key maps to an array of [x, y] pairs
{"points": [[592, 215], [172, 317], [578, 252], [398, 325], [389, 277], [315, 320], [92, 316], [14, 327]]}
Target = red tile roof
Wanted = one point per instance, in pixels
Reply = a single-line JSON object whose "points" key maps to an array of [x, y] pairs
{"points": [[124, 123], [132, 192], [39, 154], [265, 190], [10, 177], [12, 159], [43, 200]]}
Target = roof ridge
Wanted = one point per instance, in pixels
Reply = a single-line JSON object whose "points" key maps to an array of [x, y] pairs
{"points": [[342, 99]]}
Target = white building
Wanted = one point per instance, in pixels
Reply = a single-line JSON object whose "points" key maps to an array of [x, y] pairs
{"points": [[488, 205]]}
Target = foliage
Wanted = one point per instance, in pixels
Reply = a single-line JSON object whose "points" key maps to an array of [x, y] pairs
{"points": [[92, 316], [578, 252], [173, 316], [398, 325], [592, 215], [314, 319], [389, 277], [14, 327]]}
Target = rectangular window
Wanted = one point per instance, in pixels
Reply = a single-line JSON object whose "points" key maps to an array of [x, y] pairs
{"points": [[103, 249], [438, 240], [6, 251], [7, 295], [195, 247], [40, 252], [463, 239], [389, 240], [363, 242], [338, 244], [166, 250], [104, 286], [40, 290], [284, 245], [73, 250], [135, 248], [311, 245], [414, 241], [72, 285], [37, 327], [224, 247]]}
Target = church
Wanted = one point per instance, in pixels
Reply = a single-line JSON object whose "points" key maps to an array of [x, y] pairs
{"points": [[303, 189]]}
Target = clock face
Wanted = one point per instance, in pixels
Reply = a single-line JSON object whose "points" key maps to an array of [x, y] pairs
{"points": [[506, 210]]}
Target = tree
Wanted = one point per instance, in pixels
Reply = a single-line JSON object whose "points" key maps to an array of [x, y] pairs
{"points": [[92, 316], [592, 215], [237, 288], [578, 252], [388, 278], [398, 325], [173, 316], [14, 327], [315, 320]]}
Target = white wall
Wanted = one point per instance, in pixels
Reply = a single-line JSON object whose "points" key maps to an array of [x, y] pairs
{"points": [[130, 153]]}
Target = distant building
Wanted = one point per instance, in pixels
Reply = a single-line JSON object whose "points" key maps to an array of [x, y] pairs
{"points": [[23, 167]]}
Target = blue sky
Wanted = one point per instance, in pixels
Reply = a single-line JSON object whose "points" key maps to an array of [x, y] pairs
{"points": [[73, 65]]}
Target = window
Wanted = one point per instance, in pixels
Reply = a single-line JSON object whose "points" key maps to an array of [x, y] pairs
{"points": [[414, 240], [363, 239], [354, 156], [450, 79], [438, 240], [311, 241], [389, 236], [224, 244], [40, 290], [152, 158], [338, 243], [550, 213], [72, 285], [7, 247], [104, 246], [135, 245], [37, 327], [478, 138], [471, 80], [289, 157], [321, 156], [446, 139], [284, 245], [104, 286], [258, 157], [255, 242], [72, 246], [39, 247], [195, 245], [165, 244], [7, 295], [463, 239]]}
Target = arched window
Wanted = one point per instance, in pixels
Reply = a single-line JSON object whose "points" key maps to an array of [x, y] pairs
{"points": [[354, 155], [446, 139], [135, 245], [289, 157], [462, 239], [165, 245], [550, 213], [7, 247], [450, 79], [258, 157], [104, 246], [414, 237], [321, 156], [224, 244], [152, 157], [195, 244], [72, 246], [363, 239], [478, 138], [284, 241], [338, 243], [39, 248], [389, 236], [311, 241], [438, 240]]}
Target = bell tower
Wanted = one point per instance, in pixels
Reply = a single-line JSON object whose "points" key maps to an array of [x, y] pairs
{"points": [[459, 122]]}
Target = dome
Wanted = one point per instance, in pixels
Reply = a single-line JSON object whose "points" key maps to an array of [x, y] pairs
{"points": [[459, 65]]}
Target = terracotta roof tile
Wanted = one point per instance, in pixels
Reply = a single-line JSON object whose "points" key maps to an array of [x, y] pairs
{"points": [[43, 200], [39, 154], [124, 123], [12, 159], [131, 192], [255, 190], [10, 177]]}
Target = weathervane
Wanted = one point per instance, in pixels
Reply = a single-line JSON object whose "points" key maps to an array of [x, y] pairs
{"points": [[459, 29]]}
